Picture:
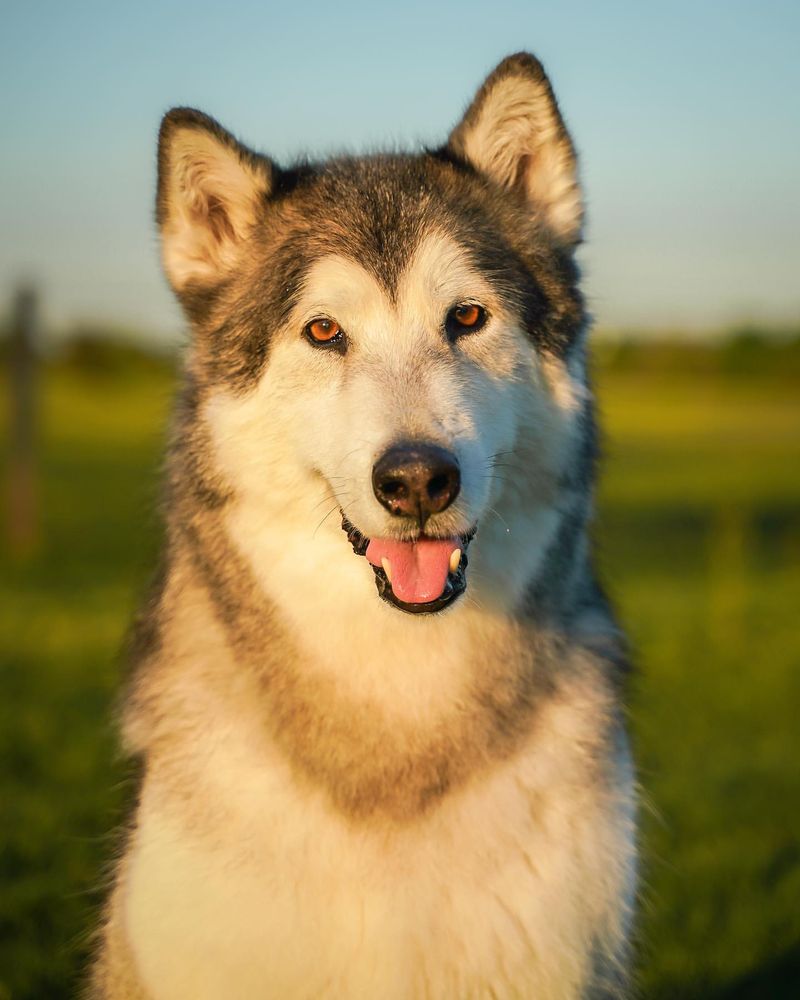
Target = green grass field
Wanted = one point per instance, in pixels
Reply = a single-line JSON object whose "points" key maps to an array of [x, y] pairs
{"points": [[699, 539]]}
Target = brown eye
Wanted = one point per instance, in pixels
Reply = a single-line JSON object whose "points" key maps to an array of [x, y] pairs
{"points": [[467, 317], [324, 331]]}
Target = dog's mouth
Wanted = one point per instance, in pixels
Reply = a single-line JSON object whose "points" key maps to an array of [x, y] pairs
{"points": [[421, 576]]}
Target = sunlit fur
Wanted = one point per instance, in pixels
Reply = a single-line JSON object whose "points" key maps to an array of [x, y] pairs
{"points": [[339, 799], [515, 135]]}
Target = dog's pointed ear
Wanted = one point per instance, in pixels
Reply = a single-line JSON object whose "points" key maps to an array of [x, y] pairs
{"points": [[210, 192], [514, 134]]}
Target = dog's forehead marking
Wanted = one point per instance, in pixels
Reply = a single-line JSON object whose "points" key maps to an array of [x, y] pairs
{"points": [[440, 269], [343, 288], [438, 274]]}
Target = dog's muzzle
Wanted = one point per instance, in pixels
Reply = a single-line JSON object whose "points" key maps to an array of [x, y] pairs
{"points": [[413, 480]]}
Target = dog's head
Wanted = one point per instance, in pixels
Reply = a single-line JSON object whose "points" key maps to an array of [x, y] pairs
{"points": [[394, 341]]}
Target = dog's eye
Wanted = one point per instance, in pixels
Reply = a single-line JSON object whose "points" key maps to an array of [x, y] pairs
{"points": [[466, 317], [324, 331]]}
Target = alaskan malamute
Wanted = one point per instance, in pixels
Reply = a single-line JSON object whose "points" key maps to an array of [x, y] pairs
{"points": [[376, 692]]}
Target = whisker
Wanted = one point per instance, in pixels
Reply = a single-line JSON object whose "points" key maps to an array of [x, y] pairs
{"points": [[335, 507], [499, 516], [515, 467], [334, 495], [344, 458]]}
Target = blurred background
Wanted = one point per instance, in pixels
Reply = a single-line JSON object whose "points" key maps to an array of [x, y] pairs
{"points": [[687, 119]]}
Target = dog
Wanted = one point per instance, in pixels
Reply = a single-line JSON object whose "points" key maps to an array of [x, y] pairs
{"points": [[376, 693]]}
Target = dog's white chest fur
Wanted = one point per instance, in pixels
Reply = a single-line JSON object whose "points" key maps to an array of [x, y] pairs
{"points": [[280, 897]]}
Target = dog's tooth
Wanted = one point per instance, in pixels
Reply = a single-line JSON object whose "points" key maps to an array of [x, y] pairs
{"points": [[387, 568], [455, 560]]}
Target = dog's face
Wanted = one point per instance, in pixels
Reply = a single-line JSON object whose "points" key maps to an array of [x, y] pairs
{"points": [[389, 342]]}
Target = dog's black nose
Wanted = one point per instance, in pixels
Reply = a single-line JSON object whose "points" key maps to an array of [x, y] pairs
{"points": [[415, 479]]}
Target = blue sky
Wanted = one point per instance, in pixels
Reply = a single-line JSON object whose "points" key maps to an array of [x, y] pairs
{"points": [[686, 116]]}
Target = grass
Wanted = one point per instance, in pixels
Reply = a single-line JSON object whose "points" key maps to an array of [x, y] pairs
{"points": [[699, 537]]}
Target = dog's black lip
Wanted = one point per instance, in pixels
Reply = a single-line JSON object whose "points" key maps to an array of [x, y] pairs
{"points": [[455, 584], [354, 536]]}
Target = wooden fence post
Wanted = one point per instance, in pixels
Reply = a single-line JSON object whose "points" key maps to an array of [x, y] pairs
{"points": [[23, 528]]}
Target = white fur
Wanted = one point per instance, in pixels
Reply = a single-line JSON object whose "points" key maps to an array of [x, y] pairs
{"points": [[278, 896]]}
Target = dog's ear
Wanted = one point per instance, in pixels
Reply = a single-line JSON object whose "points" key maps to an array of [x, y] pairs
{"points": [[514, 134], [210, 191]]}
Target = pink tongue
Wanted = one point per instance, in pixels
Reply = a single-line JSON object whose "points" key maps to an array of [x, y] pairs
{"points": [[419, 569]]}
